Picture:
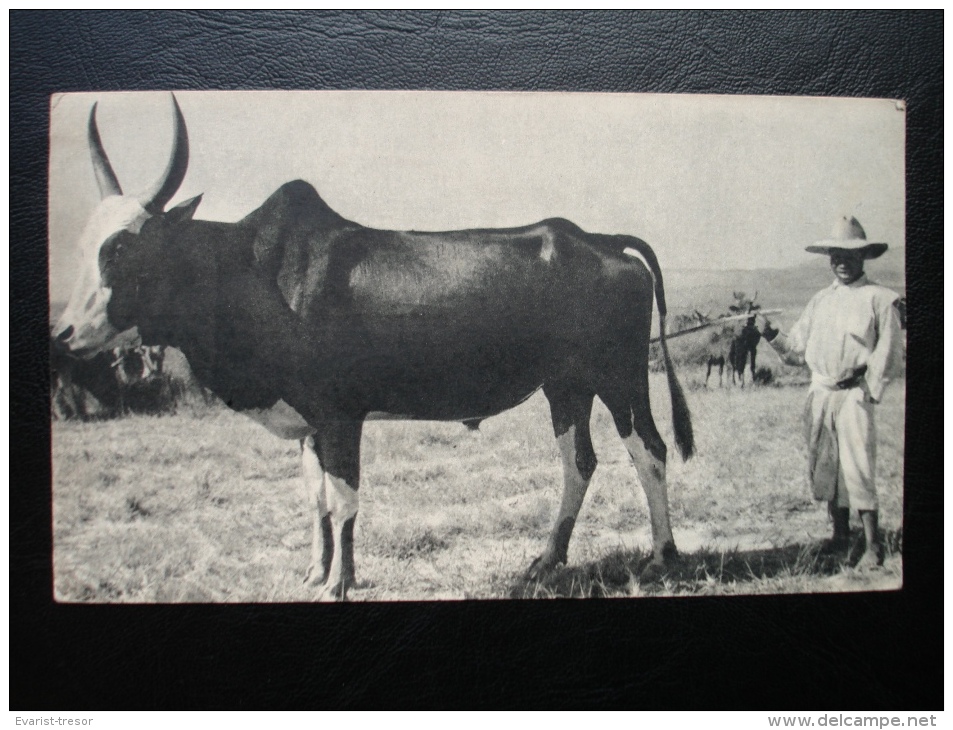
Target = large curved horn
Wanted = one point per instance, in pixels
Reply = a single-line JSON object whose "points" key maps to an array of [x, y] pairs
{"points": [[105, 177], [161, 193]]}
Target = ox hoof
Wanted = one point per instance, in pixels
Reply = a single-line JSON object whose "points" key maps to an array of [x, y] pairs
{"points": [[335, 590], [872, 559], [653, 572], [329, 596], [660, 565], [315, 576], [335, 594], [542, 566]]}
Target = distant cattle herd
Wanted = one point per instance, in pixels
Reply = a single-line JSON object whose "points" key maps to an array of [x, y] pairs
{"points": [[742, 347], [118, 381]]}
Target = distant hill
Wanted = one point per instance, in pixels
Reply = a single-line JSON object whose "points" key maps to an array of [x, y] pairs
{"points": [[789, 289]]}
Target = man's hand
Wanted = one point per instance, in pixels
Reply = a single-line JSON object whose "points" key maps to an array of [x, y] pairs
{"points": [[868, 398], [855, 380]]}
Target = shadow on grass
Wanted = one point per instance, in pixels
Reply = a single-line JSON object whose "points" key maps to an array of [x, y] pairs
{"points": [[787, 569]]}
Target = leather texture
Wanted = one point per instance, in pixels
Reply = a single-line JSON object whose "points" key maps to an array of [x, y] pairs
{"points": [[869, 652]]}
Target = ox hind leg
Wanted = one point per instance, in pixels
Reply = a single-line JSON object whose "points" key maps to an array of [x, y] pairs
{"points": [[331, 460], [634, 422], [570, 406], [720, 362]]}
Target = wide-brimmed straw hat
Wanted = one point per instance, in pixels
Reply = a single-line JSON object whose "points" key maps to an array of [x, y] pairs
{"points": [[848, 235]]}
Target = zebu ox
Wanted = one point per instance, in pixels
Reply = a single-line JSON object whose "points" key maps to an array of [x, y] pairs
{"points": [[744, 346], [312, 324], [741, 347]]}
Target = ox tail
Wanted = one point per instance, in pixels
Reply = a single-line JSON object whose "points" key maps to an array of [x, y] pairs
{"points": [[681, 417]]}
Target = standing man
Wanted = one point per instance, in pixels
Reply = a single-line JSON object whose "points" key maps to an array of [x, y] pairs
{"points": [[849, 336]]}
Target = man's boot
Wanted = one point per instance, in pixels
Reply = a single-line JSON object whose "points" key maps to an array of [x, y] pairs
{"points": [[840, 540], [873, 555]]}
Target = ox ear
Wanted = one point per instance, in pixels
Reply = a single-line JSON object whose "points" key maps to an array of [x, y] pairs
{"points": [[183, 211]]}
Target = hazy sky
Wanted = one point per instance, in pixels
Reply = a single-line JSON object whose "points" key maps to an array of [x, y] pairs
{"points": [[709, 181]]}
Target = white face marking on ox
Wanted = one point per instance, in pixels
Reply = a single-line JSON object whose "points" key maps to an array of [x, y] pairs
{"points": [[651, 473], [86, 312], [282, 420]]}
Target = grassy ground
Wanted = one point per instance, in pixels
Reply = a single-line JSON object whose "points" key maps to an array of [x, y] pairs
{"points": [[206, 506]]}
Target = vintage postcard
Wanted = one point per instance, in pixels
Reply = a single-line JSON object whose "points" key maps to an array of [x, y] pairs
{"points": [[388, 346]]}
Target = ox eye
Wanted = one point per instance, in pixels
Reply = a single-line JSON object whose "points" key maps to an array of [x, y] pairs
{"points": [[111, 257], [109, 250]]}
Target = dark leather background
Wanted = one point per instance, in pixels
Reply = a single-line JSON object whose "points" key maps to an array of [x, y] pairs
{"points": [[879, 651]]}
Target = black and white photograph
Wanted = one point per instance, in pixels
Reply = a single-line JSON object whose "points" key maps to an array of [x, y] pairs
{"points": [[476, 359], [386, 346]]}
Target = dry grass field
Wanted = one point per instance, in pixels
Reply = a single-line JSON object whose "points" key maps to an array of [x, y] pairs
{"points": [[206, 506]]}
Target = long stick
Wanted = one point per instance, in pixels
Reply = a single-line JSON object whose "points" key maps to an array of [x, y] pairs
{"points": [[712, 323]]}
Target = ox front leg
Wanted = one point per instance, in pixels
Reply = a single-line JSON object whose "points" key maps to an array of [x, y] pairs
{"points": [[322, 540], [339, 446], [571, 410]]}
